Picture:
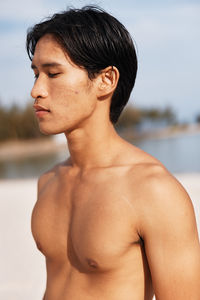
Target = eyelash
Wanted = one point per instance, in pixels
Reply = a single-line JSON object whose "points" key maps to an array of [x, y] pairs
{"points": [[50, 75], [53, 75]]}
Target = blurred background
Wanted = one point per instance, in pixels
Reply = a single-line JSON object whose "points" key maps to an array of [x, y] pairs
{"points": [[162, 117]]}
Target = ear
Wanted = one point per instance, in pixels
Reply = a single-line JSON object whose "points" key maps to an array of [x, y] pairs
{"points": [[107, 82]]}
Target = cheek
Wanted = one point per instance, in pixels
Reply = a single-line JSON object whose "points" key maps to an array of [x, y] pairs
{"points": [[72, 96], [66, 116], [67, 90], [71, 99], [69, 113]]}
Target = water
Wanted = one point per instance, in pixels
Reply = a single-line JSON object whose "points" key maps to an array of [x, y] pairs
{"points": [[29, 167], [178, 154]]}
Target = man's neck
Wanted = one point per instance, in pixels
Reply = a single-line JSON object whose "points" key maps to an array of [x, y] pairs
{"points": [[89, 146]]}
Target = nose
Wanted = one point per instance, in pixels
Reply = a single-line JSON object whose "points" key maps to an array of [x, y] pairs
{"points": [[39, 89]]}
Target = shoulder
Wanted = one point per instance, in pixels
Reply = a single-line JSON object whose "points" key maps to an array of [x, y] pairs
{"points": [[50, 176], [150, 177], [162, 188], [166, 223], [163, 202], [45, 180], [152, 182]]}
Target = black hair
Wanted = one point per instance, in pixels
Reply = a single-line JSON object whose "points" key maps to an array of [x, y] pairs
{"points": [[94, 40]]}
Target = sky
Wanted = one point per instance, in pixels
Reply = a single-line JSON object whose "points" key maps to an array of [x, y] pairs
{"points": [[166, 35]]}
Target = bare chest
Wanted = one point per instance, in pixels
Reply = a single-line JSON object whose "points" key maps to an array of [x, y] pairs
{"points": [[91, 227]]}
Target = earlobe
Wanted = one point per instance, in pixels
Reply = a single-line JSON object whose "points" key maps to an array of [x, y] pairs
{"points": [[108, 79]]}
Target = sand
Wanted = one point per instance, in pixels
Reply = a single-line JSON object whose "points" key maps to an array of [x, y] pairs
{"points": [[23, 275]]}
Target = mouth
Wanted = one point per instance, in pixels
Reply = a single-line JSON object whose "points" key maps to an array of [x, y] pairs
{"points": [[40, 110]]}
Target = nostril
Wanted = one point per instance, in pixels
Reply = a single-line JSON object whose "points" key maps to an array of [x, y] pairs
{"points": [[38, 93]]}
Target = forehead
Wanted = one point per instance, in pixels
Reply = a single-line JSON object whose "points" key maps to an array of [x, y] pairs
{"points": [[48, 47]]}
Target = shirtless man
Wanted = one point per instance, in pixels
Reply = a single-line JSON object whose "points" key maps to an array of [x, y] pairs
{"points": [[112, 222]]}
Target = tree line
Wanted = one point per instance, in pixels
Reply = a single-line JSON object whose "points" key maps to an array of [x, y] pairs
{"points": [[132, 117], [20, 122]]}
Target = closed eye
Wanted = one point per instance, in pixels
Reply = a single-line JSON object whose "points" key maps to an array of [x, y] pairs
{"points": [[52, 75], [36, 76]]}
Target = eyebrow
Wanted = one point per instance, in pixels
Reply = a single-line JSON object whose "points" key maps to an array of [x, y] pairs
{"points": [[46, 65]]}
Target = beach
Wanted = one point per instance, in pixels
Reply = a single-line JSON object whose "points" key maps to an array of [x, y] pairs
{"points": [[23, 274]]}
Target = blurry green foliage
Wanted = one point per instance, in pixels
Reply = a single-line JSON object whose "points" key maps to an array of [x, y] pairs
{"points": [[21, 123], [18, 123], [156, 114], [198, 119], [131, 116]]}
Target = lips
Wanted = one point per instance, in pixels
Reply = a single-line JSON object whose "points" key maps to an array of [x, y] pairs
{"points": [[40, 110]]}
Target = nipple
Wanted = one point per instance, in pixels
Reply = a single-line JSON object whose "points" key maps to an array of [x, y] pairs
{"points": [[39, 246], [92, 263]]}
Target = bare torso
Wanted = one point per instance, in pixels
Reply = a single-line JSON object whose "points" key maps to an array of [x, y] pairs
{"points": [[86, 226], [110, 213]]}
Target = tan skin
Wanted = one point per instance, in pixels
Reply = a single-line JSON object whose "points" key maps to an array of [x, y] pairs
{"points": [[111, 221]]}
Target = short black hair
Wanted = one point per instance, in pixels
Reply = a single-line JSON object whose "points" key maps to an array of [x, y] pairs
{"points": [[94, 40]]}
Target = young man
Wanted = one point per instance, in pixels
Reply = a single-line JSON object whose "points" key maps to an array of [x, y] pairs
{"points": [[111, 221]]}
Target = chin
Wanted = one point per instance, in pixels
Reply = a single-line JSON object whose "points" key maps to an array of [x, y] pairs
{"points": [[67, 126], [50, 130]]}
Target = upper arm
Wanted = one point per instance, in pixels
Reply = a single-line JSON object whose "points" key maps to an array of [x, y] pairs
{"points": [[171, 242]]}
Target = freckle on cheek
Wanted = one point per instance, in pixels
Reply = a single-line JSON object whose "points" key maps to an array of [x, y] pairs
{"points": [[76, 92]]}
